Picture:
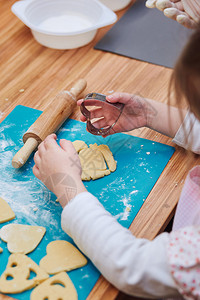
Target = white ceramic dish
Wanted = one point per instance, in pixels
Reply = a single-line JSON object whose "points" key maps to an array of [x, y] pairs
{"points": [[63, 24], [116, 5]]}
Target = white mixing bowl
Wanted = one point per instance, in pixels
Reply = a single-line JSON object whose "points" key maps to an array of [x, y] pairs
{"points": [[63, 24], [116, 5]]}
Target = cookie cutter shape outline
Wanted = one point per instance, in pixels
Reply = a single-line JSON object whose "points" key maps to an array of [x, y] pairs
{"points": [[99, 97]]}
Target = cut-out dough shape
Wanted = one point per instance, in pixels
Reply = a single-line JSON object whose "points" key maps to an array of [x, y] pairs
{"points": [[22, 238], [79, 145], [62, 256], [94, 159], [6, 213], [57, 287], [15, 278], [1, 250], [107, 154]]}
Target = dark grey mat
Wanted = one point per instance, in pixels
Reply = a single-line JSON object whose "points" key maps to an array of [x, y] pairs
{"points": [[146, 34]]}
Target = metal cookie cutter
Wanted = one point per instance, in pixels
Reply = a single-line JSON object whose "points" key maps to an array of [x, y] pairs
{"points": [[99, 101]]}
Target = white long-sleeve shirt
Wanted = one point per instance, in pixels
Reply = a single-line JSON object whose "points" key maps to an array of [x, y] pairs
{"points": [[135, 266]]}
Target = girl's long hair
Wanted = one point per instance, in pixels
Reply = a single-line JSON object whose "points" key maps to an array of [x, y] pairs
{"points": [[186, 76]]}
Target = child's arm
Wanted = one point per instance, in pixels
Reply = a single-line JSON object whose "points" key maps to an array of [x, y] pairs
{"points": [[188, 135], [180, 124], [135, 266], [139, 112]]}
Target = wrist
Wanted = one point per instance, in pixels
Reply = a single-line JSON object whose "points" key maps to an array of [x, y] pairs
{"points": [[69, 190], [150, 113]]}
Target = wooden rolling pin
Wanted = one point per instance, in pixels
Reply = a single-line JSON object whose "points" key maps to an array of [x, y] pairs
{"points": [[49, 121]]}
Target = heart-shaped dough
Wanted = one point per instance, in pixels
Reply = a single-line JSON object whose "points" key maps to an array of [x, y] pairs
{"points": [[57, 287], [6, 213], [62, 256], [16, 277], [21, 238]]}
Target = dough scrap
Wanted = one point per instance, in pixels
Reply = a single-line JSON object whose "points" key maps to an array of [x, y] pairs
{"points": [[107, 154], [21, 238], [79, 145], [6, 213], [62, 256], [59, 286], [15, 279], [94, 160], [1, 250]]}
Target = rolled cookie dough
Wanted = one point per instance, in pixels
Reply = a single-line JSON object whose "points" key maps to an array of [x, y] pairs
{"points": [[6, 213], [96, 161], [16, 277], [21, 238], [57, 287], [62, 256], [79, 145]]}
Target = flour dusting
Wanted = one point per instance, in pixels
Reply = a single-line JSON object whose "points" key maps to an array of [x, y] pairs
{"points": [[28, 197]]}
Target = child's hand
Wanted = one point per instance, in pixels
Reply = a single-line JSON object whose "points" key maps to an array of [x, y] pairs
{"points": [[185, 12], [136, 113], [59, 168]]}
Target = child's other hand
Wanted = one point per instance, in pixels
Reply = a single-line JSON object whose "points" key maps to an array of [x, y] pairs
{"points": [[136, 113], [59, 168], [185, 12]]}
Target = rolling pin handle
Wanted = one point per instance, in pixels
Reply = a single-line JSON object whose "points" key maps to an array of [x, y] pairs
{"points": [[23, 154], [49, 121], [78, 87]]}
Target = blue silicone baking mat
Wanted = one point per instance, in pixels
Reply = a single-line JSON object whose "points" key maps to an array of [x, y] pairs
{"points": [[139, 164]]}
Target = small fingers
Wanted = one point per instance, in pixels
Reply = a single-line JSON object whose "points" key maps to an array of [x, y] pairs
{"points": [[96, 113], [66, 145], [83, 118], [178, 4], [172, 13], [37, 158], [52, 136], [50, 142], [185, 21], [102, 123], [119, 97], [79, 102], [150, 3], [163, 4], [41, 148], [36, 172]]}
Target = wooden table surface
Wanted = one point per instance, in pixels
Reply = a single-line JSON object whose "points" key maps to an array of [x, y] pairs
{"points": [[32, 75]]}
